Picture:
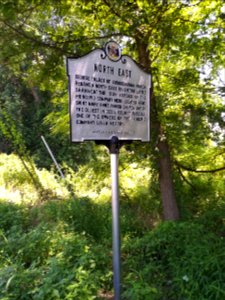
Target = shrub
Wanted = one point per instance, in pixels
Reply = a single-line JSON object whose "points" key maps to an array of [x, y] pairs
{"points": [[50, 262], [175, 261], [13, 216]]}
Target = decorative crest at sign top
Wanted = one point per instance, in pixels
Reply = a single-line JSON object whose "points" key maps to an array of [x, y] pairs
{"points": [[113, 51]]}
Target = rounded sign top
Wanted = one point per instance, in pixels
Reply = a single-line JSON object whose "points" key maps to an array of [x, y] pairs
{"points": [[113, 51]]}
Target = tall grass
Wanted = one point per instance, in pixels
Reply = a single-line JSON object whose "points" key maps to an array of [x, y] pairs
{"points": [[60, 247]]}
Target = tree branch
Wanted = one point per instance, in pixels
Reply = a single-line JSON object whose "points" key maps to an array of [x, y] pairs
{"points": [[35, 40], [185, 179], [84, 38], [179, 165], [57, 45]]}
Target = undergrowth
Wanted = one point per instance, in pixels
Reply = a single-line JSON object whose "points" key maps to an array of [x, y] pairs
{"points": [[62, 249]]}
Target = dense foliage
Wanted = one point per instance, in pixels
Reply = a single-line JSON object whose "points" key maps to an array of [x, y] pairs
{"points": [[179, 42], [55, 234], [60, 247]]}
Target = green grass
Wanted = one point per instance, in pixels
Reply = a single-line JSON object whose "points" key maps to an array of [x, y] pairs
{"points": [[60, 247]]}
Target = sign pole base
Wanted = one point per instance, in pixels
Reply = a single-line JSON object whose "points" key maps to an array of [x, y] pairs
{"points": [[114, 157], [114, 146]]}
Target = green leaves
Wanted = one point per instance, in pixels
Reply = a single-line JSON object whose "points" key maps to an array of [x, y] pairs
{"points": [[177, 261], [181, 44]]}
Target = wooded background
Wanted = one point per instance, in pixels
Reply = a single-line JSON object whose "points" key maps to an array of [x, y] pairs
{"points": [[180, 174]]}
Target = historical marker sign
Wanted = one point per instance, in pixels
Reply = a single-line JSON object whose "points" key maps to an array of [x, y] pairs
{"points": [[110, 103], [109, 96]]}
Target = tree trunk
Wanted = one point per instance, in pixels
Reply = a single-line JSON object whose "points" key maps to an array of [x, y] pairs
{"points": [[169, 204], [170, 208]]}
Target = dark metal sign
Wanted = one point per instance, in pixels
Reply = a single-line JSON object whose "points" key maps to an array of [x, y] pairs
{"points": [[109, 96]]}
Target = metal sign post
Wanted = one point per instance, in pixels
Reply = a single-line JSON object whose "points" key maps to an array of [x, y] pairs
{"points": [[114, 157], [109, 104], [114, 146], [52, 157], [116, 224]]}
